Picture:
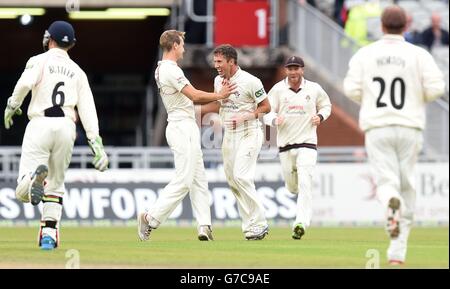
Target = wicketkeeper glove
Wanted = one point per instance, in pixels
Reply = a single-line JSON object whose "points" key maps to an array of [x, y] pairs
{"points": [[9, 113], [100, 161]]}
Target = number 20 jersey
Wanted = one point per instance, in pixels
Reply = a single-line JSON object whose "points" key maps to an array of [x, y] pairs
{"points": [[58, 85], [392, 80]]}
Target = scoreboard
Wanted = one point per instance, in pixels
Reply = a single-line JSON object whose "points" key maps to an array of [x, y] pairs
{"points": [[242, 22]]}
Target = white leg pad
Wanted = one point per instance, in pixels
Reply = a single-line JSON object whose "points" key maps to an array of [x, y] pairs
{"points": [[51, 216]]}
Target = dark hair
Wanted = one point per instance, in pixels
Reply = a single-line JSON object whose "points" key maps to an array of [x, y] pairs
{"points": [[394, 19], [169, 38], [227, 51]]}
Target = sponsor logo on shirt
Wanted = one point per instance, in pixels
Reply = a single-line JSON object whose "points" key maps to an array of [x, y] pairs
{"points": [[295, 110], [229, 105], [295, 107], [259, 93]]}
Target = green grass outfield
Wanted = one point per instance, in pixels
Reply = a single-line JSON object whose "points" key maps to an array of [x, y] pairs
{"points": [[175, 247]]}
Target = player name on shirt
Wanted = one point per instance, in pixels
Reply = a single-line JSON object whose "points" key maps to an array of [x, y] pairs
{"points": [[391, 60], [61, 70]]}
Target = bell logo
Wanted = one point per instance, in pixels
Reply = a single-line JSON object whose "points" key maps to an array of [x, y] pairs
{"points": [[65, 39]]}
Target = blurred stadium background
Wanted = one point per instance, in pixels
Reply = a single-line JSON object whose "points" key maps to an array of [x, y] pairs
{"points": [[118, 49]]}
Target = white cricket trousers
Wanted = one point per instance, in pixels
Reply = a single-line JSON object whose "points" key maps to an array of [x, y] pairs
{"points": [[298, 169], [393, 153], [48, 141], [240, 152], [183, 138]]}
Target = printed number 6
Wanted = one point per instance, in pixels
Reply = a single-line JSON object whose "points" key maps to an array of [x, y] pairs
{"points": [[56, 93]]}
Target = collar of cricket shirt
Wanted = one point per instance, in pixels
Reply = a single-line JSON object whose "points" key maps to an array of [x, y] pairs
{"points": [[393, 37], [167, 61], [236, 74], [56, 50], [302, 85]]}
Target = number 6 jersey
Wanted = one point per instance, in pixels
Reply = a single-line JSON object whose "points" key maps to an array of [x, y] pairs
{"points": [[58, 85], [392, 80]]}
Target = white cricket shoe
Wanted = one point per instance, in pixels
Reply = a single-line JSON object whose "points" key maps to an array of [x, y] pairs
{"points": [[144, 229], [396, 263], [393, 218], [257, 233], [205, 233], [37, 184]]}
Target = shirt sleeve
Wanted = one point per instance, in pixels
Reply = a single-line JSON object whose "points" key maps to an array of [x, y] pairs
{"points": [[323, 103], [177, 79], [217, 86], [86, 108], [26, 82], [353, 80], [258, 92], [432, 78], [274, 104]]}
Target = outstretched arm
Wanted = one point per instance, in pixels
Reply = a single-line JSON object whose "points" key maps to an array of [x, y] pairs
{"points": [[201, 96], [211, 107]]}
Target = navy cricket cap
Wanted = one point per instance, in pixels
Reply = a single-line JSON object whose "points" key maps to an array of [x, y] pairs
{"points": [[62, 32], [294, 61]]}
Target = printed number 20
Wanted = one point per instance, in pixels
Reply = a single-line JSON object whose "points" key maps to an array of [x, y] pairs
{"points": [[394, 103]]}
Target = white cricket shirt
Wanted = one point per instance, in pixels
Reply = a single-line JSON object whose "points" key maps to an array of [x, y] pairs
{"points": [[297, 108], [250, 92], [57, 81], [392, 80], [171, 80]]}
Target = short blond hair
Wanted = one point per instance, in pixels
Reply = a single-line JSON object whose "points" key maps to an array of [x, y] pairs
{"points": [[169, 38]]}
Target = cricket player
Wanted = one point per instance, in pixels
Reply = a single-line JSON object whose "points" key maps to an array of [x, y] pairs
{"points": [[183, 137], [393, 80], [58, 85], [243, 136], [298, 107]]}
